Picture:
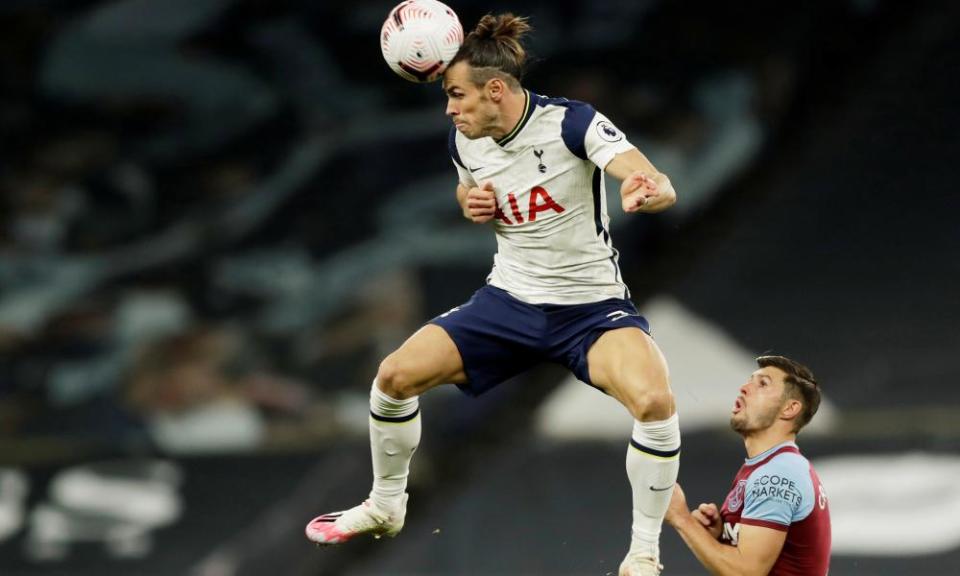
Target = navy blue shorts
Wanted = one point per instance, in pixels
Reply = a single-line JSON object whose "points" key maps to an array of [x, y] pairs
{"points": [[499, 336]]}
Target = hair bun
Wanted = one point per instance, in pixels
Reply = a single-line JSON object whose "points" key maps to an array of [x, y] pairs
{"points": [[502, 27], [495, 43]]}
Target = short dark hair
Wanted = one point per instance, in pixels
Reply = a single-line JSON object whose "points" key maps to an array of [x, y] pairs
{"points": [[494, 49], [801, 385]]}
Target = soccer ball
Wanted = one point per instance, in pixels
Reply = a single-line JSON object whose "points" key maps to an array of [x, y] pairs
{"points": [[419, 39]]}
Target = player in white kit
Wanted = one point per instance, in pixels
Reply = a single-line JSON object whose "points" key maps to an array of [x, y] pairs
{"points": [[533, 168]]}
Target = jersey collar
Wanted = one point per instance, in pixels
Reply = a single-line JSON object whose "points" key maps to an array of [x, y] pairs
{"points": [[767, 453], [527, 113]]}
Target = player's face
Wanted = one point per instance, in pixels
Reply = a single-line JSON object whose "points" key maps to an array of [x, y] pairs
{"points": [[473, 113], [760, 401]]}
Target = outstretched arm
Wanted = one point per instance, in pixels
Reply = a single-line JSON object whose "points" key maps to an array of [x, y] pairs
{"points": [[756, 551], [644, 188]]}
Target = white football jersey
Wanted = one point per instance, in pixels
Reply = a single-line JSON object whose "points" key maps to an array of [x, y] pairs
{"points": [[553, 240]]}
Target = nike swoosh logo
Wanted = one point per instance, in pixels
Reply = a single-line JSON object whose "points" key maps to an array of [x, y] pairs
{"points": [[614, 316], [661, 489], [475, 169]]}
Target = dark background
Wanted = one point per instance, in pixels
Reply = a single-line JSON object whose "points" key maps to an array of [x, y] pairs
{"points": [[217, 216]]}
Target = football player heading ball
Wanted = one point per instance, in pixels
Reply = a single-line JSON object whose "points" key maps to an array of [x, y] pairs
{"points": [[532, 168]]}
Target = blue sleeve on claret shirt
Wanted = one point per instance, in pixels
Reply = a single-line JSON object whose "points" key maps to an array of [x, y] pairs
{"points": [[780, 491]]}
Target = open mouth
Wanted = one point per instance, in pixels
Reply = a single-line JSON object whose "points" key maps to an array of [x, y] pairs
{"points": [[738, 405]]}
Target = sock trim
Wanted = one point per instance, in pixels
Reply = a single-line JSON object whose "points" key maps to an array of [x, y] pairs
{"points": [[664, 454], [397, 419]]}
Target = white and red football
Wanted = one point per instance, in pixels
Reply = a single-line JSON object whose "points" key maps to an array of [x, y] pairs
{"points": [[419, 39]]}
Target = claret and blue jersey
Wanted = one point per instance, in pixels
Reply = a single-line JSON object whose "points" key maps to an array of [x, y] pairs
{"points": [[779, 489], [553, 240]]}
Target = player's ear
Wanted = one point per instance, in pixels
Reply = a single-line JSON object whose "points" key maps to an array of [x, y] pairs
{"points": [[791, 409], [495, 88]]}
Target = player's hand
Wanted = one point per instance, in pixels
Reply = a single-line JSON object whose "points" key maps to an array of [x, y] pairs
{"points": [[709, 516], [481, 203], [637, 190]]}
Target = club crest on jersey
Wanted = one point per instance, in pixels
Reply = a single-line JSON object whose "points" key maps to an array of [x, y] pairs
{"points": [[735, 499], [540, 165], [609, 132]]}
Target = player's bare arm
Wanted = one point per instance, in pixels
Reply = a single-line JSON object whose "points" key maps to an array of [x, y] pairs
{"points": [[754, 555], [479, 204], [643, 187]]}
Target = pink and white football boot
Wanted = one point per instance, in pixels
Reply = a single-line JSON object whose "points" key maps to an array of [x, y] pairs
{"points": [[367, 518]]}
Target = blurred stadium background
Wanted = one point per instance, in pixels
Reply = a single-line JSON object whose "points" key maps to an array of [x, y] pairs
{"points": [[216, 216]]}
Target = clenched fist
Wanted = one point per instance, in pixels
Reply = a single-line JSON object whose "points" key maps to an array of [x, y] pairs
{"points": [[480, 205]]}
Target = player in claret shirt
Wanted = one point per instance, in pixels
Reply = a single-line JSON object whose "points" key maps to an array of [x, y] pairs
{"points": [[532, 168], [775, 519]]}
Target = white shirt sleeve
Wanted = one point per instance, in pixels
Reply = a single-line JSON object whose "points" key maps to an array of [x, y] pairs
{"points": [[466, 178], [602, 141], [464, 175]]}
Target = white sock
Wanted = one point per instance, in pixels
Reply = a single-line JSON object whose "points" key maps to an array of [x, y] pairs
{"points": [[653, 460], [394, 436]]}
